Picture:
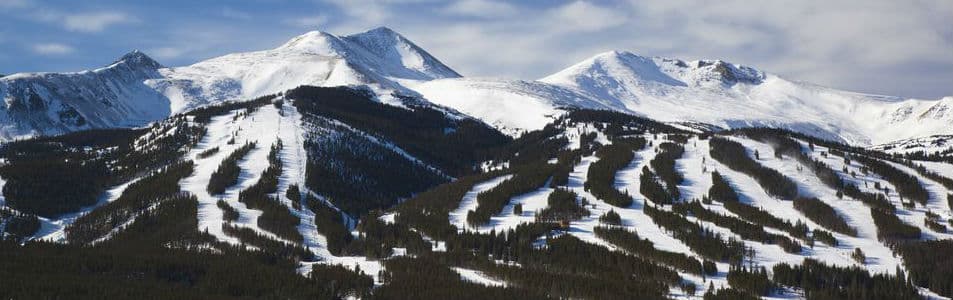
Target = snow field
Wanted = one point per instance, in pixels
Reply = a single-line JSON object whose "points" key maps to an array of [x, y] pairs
{"points": [[260, 127], [880, 258]]}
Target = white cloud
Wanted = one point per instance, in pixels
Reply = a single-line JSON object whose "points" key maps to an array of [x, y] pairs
{"points": [[880, 46], [232, 13], [167, 52], [480, 8], [52, 49], [94, 22], [308, 21], [585, 16], [885, 47], [852, 44], [5, 4], [365, 11]]}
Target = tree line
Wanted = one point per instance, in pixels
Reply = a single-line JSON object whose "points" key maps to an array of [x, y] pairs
{"points": [[824, 215], [583, 270], [907, 185], [701, 240], [930, 264], [527, 179], [419, 278], [562, 207], [138, 197], [891, 229], [754, 281], [726, 194], [453, 145], [276, 217], [330, 223], [226, 175], [358, 173], [17, 226], [742, 228], [652, 189], [734, 155], [821, 281], [642, 247], [429, 211], [602, 173], [664, 166]]}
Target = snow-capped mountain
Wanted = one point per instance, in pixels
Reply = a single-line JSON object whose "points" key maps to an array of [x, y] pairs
{"points": [[364, 199], [54, 103], [379, 57], [712, 92], [707, 93], [136, 90]]}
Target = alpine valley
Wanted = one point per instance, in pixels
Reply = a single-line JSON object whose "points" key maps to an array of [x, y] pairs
{"points": [[362, 167]]}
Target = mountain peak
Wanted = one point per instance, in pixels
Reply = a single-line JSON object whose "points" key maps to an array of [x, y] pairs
{"points": [[391, 46], [382, 30], [138, 58], [617, 54], [731, 73], [316, 42]]}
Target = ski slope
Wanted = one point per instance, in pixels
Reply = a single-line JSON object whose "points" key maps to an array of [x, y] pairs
{"points": [[696, 167]]}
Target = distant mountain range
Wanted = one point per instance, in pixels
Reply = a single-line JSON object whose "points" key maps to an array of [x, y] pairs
{"points": [[361, 167], [710, 94]]}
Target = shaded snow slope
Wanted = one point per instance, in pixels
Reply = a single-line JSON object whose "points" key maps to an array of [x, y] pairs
{"points": [[55, 103]]}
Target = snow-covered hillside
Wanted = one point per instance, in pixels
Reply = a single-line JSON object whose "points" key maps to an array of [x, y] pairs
{"points": [[55, 103], [942, 144], [379, 57], [709, 93], [306, 193], [706, 91], [732, 96], [512, 106], [136, 90]]}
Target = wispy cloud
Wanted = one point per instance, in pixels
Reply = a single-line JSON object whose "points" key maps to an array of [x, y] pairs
{"points": [[7, 4], [481, 8], [94, 22], [890, 47], [167, 52], [232, 13], [52, 49], [308, 21], [585, 16]]}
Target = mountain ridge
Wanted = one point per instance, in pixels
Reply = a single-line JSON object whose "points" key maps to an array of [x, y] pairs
{"points": [[715, 93]]}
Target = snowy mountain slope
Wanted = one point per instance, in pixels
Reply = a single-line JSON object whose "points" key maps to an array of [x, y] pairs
{"points": [[136, 90], [705, 93], [940, 144], [709, 92], [513, 106], [379, 57], [56, 103], [733, 96], [316, 132], [696, 166]]}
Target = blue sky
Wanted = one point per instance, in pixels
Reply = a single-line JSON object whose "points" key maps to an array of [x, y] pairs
{"points": [[878, 46]]}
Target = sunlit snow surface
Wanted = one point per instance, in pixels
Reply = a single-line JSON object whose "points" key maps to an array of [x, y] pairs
{"points": [[710, 92]]}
